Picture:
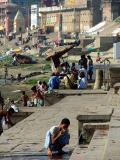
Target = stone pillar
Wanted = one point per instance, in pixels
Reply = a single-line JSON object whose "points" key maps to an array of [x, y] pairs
{"points": [[99, 79], [80, 126]]}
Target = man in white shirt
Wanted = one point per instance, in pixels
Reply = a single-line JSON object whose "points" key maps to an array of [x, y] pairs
{"points": [[16, 109], [57, 137]]}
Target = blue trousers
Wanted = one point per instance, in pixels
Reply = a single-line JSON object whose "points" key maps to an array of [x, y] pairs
{"points": [[59, 143]]}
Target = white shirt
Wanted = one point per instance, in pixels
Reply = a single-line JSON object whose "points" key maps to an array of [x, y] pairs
{"points": [[54, 130]]}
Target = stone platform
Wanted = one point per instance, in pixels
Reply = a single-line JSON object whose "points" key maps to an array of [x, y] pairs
{"points": [[28, 135]]}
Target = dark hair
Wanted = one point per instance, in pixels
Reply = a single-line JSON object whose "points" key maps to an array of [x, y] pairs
{"points": [[65, 121], [73, 64], [82, 56], [44, 83], [40, 82], [89, 57], [12, 101], [82, 74], [23, 92], [53, 74], [34, 89], [11, 110]]}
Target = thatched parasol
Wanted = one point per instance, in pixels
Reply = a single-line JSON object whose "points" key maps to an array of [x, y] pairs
{"points": [[57, 51]]}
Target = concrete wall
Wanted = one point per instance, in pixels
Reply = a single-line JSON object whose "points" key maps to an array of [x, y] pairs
{"points": [[111, 10], [116, 50], [104, 43], [86, 20], [107, 11], [114, 75]]}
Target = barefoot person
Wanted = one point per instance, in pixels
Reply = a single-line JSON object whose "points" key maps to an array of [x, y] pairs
{"points": [[57, 137]]}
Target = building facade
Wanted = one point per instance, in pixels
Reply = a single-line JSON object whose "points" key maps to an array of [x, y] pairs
{"points": [[50, 3], [9, 8], [77, 16], [22, 3], [75, 3], [111, 9]]}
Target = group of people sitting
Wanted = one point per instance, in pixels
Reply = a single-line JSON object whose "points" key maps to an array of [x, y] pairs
{"points": [[37, 97], [73, 77]]}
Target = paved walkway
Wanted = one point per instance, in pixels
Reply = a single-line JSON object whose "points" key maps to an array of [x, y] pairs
{"points": [[106, 145], [28, 135]]}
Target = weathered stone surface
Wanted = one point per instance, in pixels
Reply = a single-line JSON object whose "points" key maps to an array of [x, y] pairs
{"points": [[95, 150], [29, 134]]}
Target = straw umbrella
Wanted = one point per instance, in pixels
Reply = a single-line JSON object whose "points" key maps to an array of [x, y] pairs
{"points": [[57, 52], [54, 55]]}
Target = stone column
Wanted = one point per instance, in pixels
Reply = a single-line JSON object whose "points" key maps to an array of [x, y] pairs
{"points": [[99, 79]]}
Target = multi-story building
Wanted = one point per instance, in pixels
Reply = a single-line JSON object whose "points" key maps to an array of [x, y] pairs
{"points": [[24, 3], [77, 15], [10, 7], [7, 10], [75, 3], [111, 9], [50, 3]]}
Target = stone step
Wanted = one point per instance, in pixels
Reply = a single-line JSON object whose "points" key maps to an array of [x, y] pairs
{"points": [[96, 148], [113, 147], [96, 125]]}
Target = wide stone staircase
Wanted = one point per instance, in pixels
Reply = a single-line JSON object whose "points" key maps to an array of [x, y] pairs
{"points": [[110, 27], [105, 143], [104, 40]]}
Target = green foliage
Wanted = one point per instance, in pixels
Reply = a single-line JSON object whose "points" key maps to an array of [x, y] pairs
{"points": [[46, 67], [25, 66], [7, 61], [35, 80]]}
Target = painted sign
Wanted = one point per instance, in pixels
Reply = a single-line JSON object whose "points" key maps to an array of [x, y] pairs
{"points": [[76, 3]]}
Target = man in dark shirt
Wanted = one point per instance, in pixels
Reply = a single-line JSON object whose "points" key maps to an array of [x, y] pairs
{"points": [[83, 62], [7, 116]]}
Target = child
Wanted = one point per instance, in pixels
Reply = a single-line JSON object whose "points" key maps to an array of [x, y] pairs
{"points": [[24, 98], [57, 137]]}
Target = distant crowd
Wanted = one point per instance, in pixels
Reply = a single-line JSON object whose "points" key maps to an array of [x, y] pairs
{"points": [[74, 76]]}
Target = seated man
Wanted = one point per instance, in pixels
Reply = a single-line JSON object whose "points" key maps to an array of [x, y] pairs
{"points": [[82, 81], [24, 98], [57, 137], [54, 82]]}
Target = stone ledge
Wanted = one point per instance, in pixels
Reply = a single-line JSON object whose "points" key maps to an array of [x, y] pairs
{"points": [[95, 149]]}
